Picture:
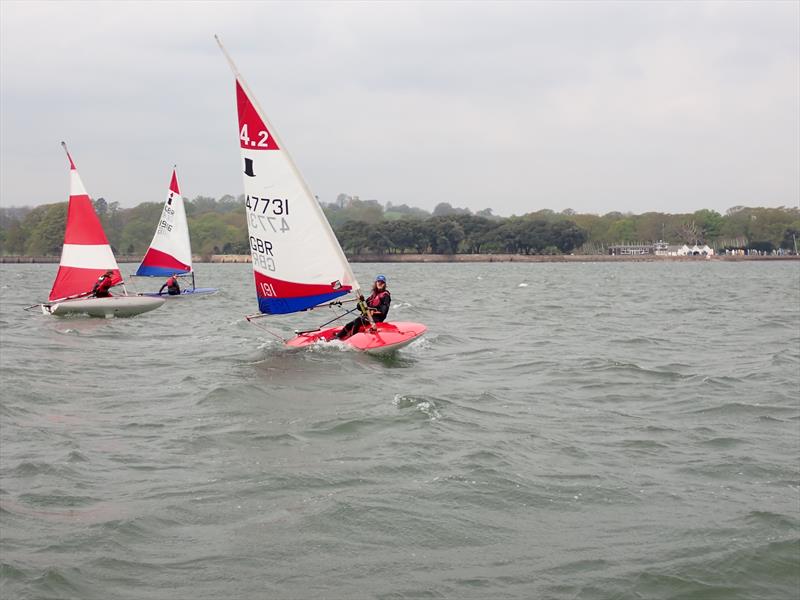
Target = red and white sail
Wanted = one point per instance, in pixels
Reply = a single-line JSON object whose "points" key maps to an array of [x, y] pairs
{"points": [[297, 260], [170, 252], [86, 254]]}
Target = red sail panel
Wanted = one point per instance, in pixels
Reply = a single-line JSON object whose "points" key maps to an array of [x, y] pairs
{"points": [[253, 133], [73, 282], [83, 225], [167, 262], [173, 185]]}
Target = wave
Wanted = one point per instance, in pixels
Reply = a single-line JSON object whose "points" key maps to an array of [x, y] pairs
{"points": [[33, 469], [644, 445], [724, 442], [741, 470], [743, 409], [425, 405], [779, 522], [623, 367], [60, 582]]}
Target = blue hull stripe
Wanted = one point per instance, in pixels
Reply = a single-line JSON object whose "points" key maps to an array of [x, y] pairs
{"points": [[144, 271], [186, 292], [280, 306]]}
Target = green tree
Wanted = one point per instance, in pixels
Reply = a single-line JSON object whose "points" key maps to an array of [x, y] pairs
{"points": [[622, 230], [354, 236], [448, 235], [709, 224], [566, 236], [46, 226], [444, 209]]}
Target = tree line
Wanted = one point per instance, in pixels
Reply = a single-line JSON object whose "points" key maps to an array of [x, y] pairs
{"points": [[218, 226]]}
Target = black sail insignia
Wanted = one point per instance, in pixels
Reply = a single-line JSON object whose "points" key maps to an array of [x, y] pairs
{"points": [[248, 167]]}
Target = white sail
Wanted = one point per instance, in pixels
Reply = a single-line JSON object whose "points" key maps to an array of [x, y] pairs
{"points": [[170, 252], [297, 260]]}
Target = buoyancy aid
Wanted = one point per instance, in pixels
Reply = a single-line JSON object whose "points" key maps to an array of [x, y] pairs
{"points": [[379, 301], [102, 286], [374, 301]]}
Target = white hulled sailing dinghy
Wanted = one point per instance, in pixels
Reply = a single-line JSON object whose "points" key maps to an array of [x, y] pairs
{"points": [[170, 252], [85, 257], [298, 263]]}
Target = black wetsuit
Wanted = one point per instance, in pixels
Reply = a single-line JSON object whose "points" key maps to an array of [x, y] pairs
{"points": [[378, 301], [173, 289]]}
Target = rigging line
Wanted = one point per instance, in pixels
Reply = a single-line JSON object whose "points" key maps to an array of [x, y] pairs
{"points": [[336, 318], [272, 333], [330, 304]]}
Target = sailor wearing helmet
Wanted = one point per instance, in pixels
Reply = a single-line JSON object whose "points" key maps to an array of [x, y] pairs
{"points": [[377, 307]]}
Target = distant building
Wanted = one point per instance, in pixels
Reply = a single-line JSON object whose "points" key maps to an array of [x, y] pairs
{"points": [[703, 250], [695, 250], [660, 248], [631, 249]]}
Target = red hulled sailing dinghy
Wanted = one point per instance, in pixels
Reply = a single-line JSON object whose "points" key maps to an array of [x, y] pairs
{"points": [[298, 263]]}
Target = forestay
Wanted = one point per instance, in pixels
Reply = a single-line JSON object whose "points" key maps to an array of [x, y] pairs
{"points": [[86, 254], [297, 260], [170, 252]]}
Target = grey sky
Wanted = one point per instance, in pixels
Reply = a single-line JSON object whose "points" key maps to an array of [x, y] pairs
{"points": [[628, 106]]}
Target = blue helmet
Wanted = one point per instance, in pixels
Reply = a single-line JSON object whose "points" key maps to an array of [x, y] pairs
{"points": [[380, 278]]}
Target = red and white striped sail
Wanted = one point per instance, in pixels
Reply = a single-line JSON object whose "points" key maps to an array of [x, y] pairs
{"points": [[170, 252], [86, 254], [297, 260]]}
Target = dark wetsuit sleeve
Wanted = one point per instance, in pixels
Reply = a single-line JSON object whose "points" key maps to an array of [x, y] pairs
{"points": [[162, 288]]}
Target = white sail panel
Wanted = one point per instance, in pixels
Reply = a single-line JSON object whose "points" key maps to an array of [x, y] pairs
{"points": [[84, 256]]}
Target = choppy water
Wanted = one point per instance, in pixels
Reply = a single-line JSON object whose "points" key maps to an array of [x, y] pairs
{"points": [[563, 431]]}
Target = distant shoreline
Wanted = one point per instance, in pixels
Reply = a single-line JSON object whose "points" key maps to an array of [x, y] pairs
{"points": [[446, 258]]}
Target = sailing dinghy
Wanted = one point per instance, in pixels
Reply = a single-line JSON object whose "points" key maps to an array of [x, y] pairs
{"points": [[170, 252], [86, 256], [298, 263]]}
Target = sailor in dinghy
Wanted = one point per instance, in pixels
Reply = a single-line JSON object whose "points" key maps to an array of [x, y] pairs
{"points": [[298, 263], [87, 258], [172, 286], [170, 252], [377, 306], [102, 287]]}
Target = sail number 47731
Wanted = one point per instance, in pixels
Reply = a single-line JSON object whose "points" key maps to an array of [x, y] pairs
{"points": [[276, 206]]}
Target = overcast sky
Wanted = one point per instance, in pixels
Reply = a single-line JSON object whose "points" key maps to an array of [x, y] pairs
{"points": [[598, 106]]}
